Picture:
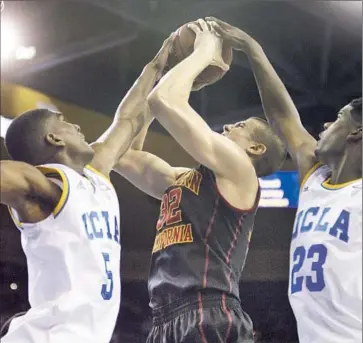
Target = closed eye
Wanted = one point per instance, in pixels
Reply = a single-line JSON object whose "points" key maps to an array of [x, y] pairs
{"points": [[340, 115]]}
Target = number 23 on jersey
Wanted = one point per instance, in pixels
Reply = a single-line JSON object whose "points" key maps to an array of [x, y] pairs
{"points": [[312, 278]]}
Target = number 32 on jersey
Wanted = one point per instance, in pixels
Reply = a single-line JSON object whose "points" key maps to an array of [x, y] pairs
{"points": [[315, 256]]}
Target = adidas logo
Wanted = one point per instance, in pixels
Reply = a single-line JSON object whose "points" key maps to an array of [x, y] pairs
{"points": [[81, 185], [305, 189]]}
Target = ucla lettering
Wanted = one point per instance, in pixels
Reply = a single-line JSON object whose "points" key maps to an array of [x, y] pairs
{"points": [[97, 226], [116, 236], [106, 219], [341, 226], [97, 230], [316, 219], [323, 226], [307, 223]]}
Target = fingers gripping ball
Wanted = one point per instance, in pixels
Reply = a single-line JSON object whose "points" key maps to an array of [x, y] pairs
{"points": [[183, 46]]}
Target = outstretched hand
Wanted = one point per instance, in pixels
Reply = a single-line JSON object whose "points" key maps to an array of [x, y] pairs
{"points": [[237, 38], [210, 42], [160, 60]]}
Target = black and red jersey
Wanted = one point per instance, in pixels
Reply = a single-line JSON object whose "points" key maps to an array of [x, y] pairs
{"points": [[201, 241]]}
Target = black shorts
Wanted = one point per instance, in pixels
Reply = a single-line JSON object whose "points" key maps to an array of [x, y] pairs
{"points": [[202, 319]]}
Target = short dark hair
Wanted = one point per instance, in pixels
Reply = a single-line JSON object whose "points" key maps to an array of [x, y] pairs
{"points": [[24, 138], [275, 155], [357, 110]]}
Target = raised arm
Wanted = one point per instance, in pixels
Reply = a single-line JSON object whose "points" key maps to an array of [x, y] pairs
{"points": [[129, 118], [169, 102], [277, 103], [23, 187], [149, 173]]}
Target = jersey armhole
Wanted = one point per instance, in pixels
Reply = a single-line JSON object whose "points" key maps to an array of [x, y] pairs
{"points": [[57, 175], [59, 178], [14, 217], [310, 172], [252, 209]]}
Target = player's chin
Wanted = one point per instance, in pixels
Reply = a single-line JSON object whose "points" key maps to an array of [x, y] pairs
{"points": [[320, 152], [87, 149]]}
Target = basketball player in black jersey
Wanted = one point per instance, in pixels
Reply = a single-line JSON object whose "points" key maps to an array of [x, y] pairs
{"points": [[206, 214]]}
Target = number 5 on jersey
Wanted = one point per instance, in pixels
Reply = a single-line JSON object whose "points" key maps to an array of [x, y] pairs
{"points": [[106, 291], [315, 281]]}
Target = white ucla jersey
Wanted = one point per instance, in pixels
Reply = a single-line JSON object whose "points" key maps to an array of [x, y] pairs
{"points": [[73, 259], [325, 287]]}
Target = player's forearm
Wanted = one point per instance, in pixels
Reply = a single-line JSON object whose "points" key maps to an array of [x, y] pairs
{"points": [[133, 104], [277, 103], [169, 101], [139, 141], [176, 85], [129, 118]]}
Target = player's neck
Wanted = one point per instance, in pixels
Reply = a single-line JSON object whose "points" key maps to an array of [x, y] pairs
{"points": [[346, 170], [77, 166]]}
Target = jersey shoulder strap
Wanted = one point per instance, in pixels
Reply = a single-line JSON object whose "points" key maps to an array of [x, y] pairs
{"points": [[101, 178], [319, 172]]}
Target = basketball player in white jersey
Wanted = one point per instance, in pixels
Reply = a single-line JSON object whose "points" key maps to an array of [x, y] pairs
{"points": [[61, 199], [325, 287]]}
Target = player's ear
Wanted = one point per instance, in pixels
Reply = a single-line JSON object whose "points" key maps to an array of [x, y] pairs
{"points": [[355, 135], [53, 139], [256, 149]]}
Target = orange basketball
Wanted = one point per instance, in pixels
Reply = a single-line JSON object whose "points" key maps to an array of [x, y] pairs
{"points": [[183, 46]]}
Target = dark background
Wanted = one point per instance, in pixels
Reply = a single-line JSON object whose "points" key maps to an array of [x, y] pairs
{"points": [[89, 52]]}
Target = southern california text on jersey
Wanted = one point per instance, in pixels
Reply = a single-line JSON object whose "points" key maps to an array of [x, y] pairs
{"points": [[201, 242]]}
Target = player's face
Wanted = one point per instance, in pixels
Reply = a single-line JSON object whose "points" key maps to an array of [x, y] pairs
{"points": [[241, 132], [71, 137], [333, 140]]}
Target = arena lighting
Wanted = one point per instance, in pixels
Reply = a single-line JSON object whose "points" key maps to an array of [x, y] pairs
{"points": [[13, 286], [10, 44], [4, 125], [25, 53], [9, 39]]}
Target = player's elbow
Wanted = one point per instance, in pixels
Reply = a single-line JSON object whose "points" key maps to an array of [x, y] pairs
{"points": [[157, 100], [163, 98]]}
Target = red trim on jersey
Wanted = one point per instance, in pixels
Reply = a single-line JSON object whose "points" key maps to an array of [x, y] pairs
{"points": [[200, 324], [209, 230], [233, 242], [249, 210], [229, 316]]}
